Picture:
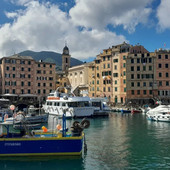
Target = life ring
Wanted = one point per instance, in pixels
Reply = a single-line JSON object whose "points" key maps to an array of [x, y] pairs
{"points": [[76, 124], [85, 123]]}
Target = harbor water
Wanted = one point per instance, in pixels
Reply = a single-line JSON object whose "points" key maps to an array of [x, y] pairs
{"points": [[115, 142]]}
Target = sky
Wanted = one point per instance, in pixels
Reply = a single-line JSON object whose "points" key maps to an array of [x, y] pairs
{"points": [[85, 26]]}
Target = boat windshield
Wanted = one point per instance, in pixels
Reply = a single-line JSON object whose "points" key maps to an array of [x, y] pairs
{"points": [[78, 104]]}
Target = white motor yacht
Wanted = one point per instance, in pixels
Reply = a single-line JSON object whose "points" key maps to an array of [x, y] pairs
{"points": [[159, 113], [75, 106]]}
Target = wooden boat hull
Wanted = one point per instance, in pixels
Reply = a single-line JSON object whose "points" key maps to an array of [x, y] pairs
{"points": [[41, 146]]}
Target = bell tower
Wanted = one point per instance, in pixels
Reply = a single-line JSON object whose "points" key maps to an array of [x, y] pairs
{"points": [[65, 59]]}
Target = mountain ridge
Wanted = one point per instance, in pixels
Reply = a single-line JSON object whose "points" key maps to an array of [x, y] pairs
{"points": [[50, 56]]}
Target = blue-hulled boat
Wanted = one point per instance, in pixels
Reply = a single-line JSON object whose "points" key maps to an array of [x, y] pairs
{"points": [[125, 111], [55, 142]]}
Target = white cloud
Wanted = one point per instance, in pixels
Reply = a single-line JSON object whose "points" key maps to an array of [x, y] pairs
{"points": [[98, 13], [20, 2], [45, 27], [163, 15]]}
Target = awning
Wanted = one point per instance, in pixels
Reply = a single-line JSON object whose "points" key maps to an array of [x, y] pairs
{"points": [[15, 95], [27, 95]]}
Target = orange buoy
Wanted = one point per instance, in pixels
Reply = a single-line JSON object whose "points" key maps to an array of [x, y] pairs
{"points": [[44, 129]]}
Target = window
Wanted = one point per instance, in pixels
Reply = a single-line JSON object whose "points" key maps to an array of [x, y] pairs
{"points": [[132, 68], [132, 60], [108, 65], [166, 65], [29, 69], [22, 75], [150, 60], [38, 71], [159, 65], [132, 76], [167, 83], [138, 76], [7, 75], [22, 83], [13, 91], [138, 60], [29, 62], [124, 65], [22, 62], [39, 84], [104, 58], [138, 84], [138, 92], [29, 83], [144, 68], [132, 84], [13, 75], [144, 84], [115, 88], [150, 84], [104, 66], [138, 68], [115, 60], [167, 74], [160, 74], [150, 68], [29, 91], [166, 56], [150, 92], [144, 92], [132, 92], [22, 68], [7, 68], [22, 91], [159, 56], [125, 89], [160, 83], [13, 68], [29, 75]]}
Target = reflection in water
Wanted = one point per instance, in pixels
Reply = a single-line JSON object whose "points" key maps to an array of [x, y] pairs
{"points": [[114, 142], [41, 163]]}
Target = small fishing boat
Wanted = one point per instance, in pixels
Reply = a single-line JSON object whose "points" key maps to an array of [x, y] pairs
{"points": [[34, 115], [125, 111], [100, 105], [134, 111], [43, 142]]}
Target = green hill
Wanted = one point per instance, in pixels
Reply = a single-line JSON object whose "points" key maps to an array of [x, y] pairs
{"points": [[48, 56]]}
